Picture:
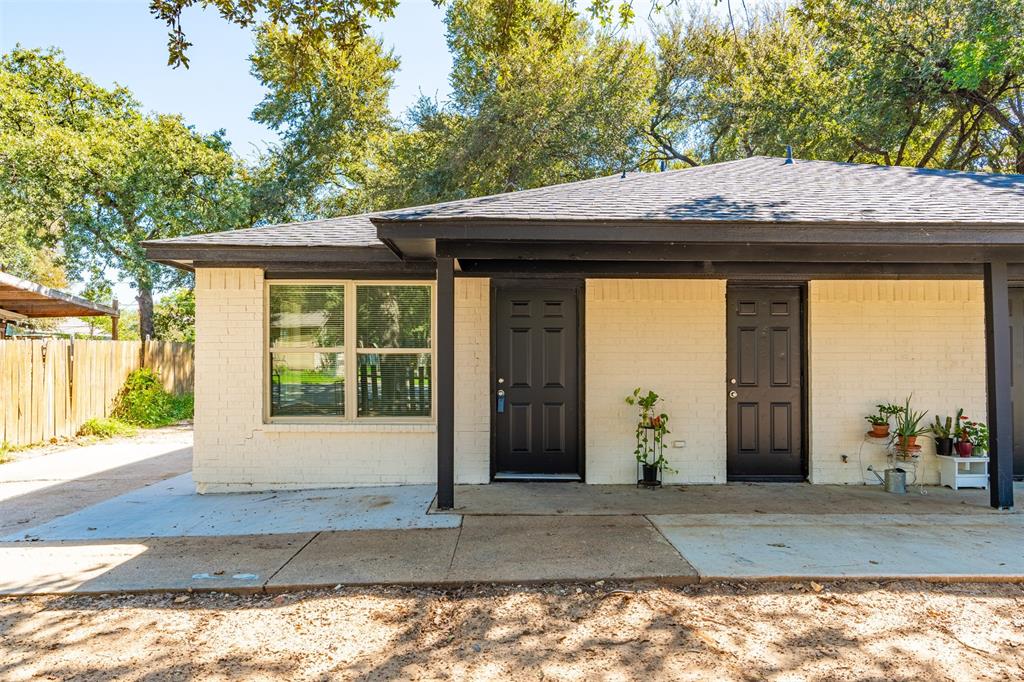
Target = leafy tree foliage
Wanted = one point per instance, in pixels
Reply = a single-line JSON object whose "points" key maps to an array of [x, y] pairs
{"points": [[727, 90], [88, 173], [328, 114], [930, 82], [174, 316], [539, 97]]}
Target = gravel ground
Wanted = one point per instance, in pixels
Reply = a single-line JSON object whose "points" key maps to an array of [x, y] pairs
{"points": [[804, 631]]}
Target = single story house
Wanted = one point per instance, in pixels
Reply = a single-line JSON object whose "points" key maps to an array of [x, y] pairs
{"points": [[771, 302]]}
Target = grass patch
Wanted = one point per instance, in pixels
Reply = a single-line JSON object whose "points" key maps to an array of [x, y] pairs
{"points": [[144, 402], [105, 427]]}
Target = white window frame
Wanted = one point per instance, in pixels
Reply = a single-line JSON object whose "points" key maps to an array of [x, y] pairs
{"points": [[350, 352]]}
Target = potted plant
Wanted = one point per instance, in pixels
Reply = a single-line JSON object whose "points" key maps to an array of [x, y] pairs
{"points": [[971, 435], [909, 426], [651, 429], [942, 433], [879, 420]]}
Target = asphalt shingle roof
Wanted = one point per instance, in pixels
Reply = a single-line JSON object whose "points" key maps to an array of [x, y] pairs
{"points": [[757, 189], [353, 230]]}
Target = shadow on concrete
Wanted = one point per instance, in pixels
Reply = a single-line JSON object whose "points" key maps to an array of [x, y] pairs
{"points": [[40, 505]]}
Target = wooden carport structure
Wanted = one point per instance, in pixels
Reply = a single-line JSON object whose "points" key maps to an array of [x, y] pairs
{"points": [[21, 300]]}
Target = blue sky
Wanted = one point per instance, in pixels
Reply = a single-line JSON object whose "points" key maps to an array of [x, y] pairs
{"points": [[118, 41]]}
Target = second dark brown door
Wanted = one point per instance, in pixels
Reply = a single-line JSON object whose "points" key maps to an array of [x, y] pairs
{"points": [[1017, 378], [765, 383], [536, 365]]}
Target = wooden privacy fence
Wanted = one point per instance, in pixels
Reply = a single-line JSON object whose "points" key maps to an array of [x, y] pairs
{"points": [[50, 387]]}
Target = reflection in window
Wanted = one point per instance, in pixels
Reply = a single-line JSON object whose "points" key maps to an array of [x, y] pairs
{"points": [[393, 316], [394, 385], [307, 384], [307, 316]]}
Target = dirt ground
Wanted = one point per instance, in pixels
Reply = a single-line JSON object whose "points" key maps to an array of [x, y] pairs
{"points": [[844, 631]]}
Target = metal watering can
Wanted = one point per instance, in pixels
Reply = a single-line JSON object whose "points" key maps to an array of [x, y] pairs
{"points": [[895, 480]]}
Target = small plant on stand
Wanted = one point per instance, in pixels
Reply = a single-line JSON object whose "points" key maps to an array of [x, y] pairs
{"points": [[942, 433], [651, 429], [971, 436], [908, 426], [879, 420]]}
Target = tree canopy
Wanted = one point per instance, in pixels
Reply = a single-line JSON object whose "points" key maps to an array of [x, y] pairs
{"points": [[87, 174], [539, 96]]}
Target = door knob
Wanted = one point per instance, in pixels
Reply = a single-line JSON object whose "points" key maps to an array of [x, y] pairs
{"points": [[733, 394]]}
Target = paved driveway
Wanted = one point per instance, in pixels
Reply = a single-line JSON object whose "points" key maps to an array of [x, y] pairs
{"points": [[47, 484]]}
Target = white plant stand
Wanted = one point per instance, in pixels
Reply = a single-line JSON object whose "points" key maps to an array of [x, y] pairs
{"points": [[963, 472]]}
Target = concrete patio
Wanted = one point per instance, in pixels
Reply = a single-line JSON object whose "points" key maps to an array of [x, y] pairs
{"points": [[165, 537]]}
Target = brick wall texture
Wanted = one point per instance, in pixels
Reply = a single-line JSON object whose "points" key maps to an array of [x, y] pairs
{"points": [[662, 335], [869, 341], [880, 341], [235, 450]]}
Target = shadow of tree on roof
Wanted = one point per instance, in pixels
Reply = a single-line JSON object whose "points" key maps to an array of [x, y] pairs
{"points": [[720, 208]]}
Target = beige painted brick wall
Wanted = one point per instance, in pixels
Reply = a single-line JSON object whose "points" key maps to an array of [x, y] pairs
{"points": [[235, 450], [665, 335], [878, 341]]}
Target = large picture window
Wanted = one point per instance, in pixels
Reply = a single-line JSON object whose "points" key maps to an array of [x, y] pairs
{"points": [[350, 350]]}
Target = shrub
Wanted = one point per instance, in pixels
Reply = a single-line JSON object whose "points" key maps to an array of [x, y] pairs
{"points": [[104, 427], [144, 402]]}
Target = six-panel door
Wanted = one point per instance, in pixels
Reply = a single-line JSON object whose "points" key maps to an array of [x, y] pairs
{"points": [[536, 365], [764, 383]]}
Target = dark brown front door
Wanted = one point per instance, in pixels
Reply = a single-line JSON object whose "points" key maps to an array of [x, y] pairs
{"points": [[765, 383], [536, 364], [1017, 378]]}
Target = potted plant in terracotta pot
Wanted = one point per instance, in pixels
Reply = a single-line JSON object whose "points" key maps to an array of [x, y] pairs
{"points": [[942, 433], [909, 426], [651, 429], [879, 420]]}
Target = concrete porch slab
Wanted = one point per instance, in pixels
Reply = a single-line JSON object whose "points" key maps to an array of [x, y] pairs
{"points": [[363, 557], [581, 499], [535, 549], [831, 546], [171, 508], [147, 564]]}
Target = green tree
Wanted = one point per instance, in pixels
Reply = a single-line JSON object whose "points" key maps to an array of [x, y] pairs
{"points": [[341, 23], [538, 97], [930, 82], [87, 173], [328, 114], [733, 87], [174, 316]]}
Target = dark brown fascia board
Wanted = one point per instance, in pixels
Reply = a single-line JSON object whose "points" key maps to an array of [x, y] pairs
{"points": [[700, 231], [750, 271], [211, 253], [714, 252]]}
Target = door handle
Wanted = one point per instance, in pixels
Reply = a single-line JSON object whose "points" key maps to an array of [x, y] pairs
{"points": [[733, 394], [501, 401]]}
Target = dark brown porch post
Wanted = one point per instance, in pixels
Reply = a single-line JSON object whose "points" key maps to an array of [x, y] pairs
{"points": [[998, 361], [445, 373]]}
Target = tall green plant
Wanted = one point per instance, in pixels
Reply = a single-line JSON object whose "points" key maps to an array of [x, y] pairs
{"points": [[651, 429]]}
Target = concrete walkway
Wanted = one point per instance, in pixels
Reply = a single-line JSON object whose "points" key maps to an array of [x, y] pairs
{"points": [[171, 508], [161, 536], [508, 550]]}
